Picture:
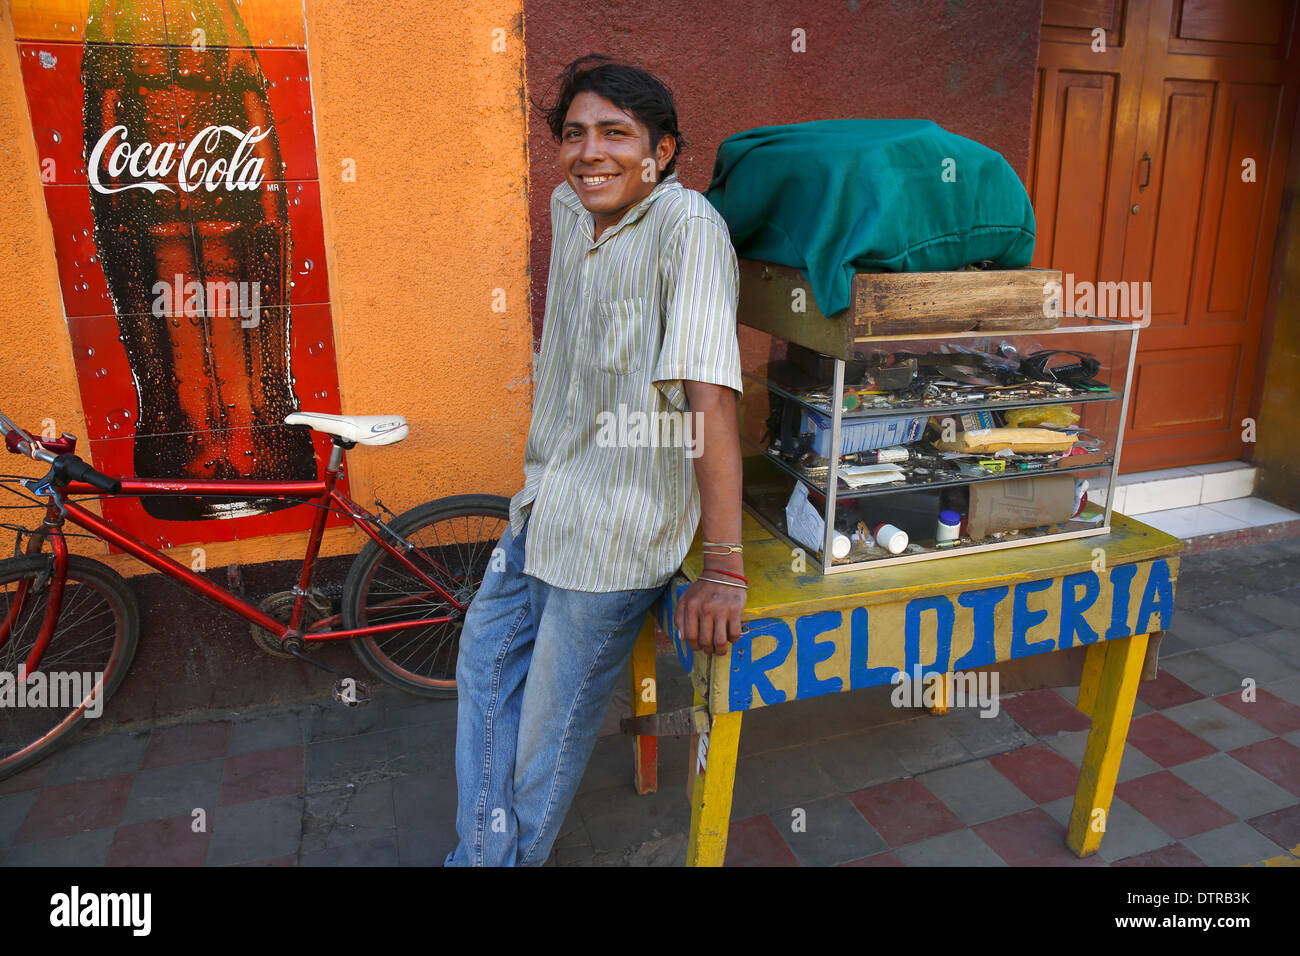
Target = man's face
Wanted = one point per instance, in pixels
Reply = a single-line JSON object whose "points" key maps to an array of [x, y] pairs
{"points": [[606, 157]]}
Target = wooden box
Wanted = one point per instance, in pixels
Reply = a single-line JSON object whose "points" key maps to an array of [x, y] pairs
{"points": [[898, 304]]}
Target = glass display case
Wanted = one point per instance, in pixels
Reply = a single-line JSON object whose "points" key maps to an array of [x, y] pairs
{"points": [[924, 446]]}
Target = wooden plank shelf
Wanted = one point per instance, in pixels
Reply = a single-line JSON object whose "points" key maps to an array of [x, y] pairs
{"points": [[898, 303]]}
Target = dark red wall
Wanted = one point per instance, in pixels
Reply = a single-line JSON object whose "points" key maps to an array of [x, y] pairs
{"points": [[969, 65]]}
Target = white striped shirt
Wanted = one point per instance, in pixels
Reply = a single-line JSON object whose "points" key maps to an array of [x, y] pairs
{"points": [[629, 317]]}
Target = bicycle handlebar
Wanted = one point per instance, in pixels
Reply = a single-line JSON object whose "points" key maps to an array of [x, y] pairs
{"points": [[64, 466]]}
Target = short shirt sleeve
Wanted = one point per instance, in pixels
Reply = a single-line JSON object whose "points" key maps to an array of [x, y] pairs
{"points": [[699, 294]]}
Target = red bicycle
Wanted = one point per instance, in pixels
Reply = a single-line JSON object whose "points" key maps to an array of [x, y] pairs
{"points": [[69, 625]]}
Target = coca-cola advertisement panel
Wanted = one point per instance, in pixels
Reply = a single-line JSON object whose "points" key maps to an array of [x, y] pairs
{"points": [[178, 160]]}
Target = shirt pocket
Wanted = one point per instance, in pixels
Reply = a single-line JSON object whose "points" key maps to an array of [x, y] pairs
{"points": [[620, 325]]}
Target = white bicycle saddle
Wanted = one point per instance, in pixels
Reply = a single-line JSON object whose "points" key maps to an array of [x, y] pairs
{"points": [[362, 429]]}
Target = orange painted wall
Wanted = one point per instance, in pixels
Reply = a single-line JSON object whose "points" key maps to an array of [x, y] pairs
{"points": [[428, 239]]}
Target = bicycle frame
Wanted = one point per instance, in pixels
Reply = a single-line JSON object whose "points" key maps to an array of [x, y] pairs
{"points": [[324, 492]]}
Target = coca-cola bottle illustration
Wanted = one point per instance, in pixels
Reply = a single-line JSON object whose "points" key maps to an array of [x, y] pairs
{"points": [[192, 231]]}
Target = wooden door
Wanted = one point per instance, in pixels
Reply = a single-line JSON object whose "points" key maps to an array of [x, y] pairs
{"points": [[1162, 159]]}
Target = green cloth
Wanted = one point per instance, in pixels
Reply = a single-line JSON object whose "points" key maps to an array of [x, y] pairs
{"points": [[835, 197]]}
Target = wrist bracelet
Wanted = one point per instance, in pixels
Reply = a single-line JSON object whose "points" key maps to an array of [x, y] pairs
{"points": [[730, 574], [730, 584], [721, 544], [725, 549]]}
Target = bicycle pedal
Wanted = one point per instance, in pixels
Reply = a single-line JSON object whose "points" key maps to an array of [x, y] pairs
{"points": [[351, 692]]}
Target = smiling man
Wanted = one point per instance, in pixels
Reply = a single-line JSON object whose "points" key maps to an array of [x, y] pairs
{"points": [[640, 321]]}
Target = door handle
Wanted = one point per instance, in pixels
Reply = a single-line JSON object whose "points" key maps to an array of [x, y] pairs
{"points": [[1146, 158]]}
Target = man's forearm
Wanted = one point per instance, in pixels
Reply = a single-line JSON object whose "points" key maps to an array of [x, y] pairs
{"points": [[717, 467]]}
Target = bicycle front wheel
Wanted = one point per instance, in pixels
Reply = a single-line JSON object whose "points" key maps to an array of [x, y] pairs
{"points": [[92, 645], [452, 541]]}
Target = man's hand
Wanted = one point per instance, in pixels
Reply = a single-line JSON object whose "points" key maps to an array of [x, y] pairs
{"points": [[709, 616]]}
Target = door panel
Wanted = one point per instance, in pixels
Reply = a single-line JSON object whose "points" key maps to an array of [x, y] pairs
{"points": [[1164, 121]]}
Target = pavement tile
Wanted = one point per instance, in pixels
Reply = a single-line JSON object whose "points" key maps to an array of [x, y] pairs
{"points": [[426, 801], [1203, 673], [333, 762], [348, 815], [404, 710], [380, 852], [889, 858], [1040, 772], [1165, 742], [1284, 644], [1173, 855], [75, 808], [1166, 691], [1245, 659], [267, 731], [428, 847], [775, 779], [330, 721], [288, 859], [169, 842], [1288, 689], [833, 832], [1268, 710], [187, 743], [418, 747], [1198, 628], [14, 808], [92, 758], [1234, 845], [985, 736], [33, 778], [263, 773], [1280, 826], [1238, 617], [80, 849], [1133, 763], [1031, 838], [1219, 727], [1128, 833], [756, 841], [975, 792], [1275, 759], [243, 832], [856, 761], [616, 817], [1044, 712], [1172, 804], [1274, 609], [925, 744], [904, 811], [173, 791], [959, 848]]}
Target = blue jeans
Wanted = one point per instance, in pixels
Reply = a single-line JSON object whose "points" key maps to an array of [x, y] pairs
{"points": [[534, 678]]}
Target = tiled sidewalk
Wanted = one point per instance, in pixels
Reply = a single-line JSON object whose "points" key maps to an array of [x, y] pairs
{"points": [[1206, 778]]}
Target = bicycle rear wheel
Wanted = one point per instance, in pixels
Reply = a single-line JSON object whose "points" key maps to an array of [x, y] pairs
{"points": [[93, 644], [452, 541]]}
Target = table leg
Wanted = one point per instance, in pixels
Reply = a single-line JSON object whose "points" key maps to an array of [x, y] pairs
{"points": [[1088, 684], [941, 701], [645, 697], [711, 780], [1112, 709]]}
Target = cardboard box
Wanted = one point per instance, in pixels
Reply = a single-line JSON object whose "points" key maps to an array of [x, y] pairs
{"points": [[1019, 503]]}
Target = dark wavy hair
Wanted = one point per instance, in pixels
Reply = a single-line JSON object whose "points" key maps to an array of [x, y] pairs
{"points": [[640, 93]]}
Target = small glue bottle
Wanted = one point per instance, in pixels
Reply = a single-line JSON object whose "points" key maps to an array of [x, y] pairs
{"points": [[892, 539]]}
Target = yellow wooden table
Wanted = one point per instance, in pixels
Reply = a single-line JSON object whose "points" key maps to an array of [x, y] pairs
{"points": [[807, 635]]}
